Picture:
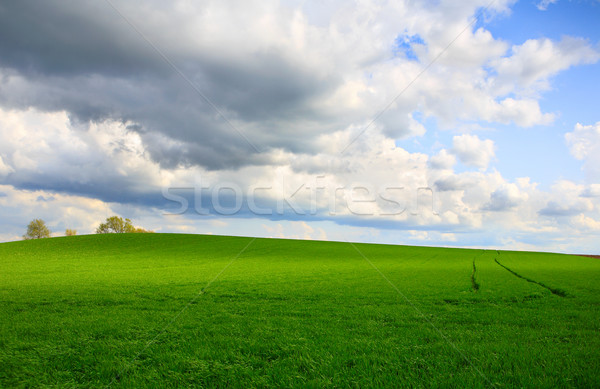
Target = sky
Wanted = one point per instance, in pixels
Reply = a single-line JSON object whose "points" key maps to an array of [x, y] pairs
{"points": [[437, 123]]}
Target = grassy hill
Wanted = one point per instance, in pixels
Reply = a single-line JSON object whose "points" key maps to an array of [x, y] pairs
{"points": [[162, 310]]}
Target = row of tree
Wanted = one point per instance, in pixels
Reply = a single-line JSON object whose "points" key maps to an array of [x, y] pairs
{"points": [[37, 228]]}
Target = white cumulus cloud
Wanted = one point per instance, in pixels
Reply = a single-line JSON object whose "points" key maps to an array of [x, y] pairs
{"points": [[473, 151], [584, 144], [530, 64]]}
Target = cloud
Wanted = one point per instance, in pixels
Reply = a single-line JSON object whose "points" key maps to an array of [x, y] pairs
{"points": [[442, 160], [473, 151], [4, 168], [97, 68], [568, 199], [104, 161], [584, 141], [593, 190], [543, 4], [532, 63], [554, 208], [277, 76], [587, 223], [450, 183], [505, 198], [584, 145], [523, 112]]}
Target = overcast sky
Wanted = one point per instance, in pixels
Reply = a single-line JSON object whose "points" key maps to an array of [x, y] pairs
{"points": [[467, 123]]}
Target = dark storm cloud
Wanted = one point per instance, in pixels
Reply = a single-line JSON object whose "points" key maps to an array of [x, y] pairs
{"points": [[109, 188], [265, 86], [69, 38], [83, 58]]}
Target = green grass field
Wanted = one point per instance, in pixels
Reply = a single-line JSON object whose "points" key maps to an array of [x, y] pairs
{"points": [[134, 310]]}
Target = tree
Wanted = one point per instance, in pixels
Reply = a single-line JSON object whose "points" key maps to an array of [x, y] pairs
{"points": [[116, 224], [36, 230], [70, 232]]}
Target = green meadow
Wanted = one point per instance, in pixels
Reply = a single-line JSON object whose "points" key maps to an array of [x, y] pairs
{"points": [[168, 310]]}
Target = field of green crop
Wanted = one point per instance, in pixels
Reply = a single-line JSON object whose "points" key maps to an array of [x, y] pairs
{"points": [[162, 310]]}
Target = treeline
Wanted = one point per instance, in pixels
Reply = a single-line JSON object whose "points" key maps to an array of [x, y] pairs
{"points": [[37, 228]]}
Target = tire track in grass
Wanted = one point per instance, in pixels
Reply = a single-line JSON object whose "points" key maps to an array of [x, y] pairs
{"points": [[474, 284], [556, 291]]}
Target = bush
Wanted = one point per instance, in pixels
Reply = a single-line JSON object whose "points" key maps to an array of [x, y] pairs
{"points": [[36, 230], [140, 230], [70, 232]]}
